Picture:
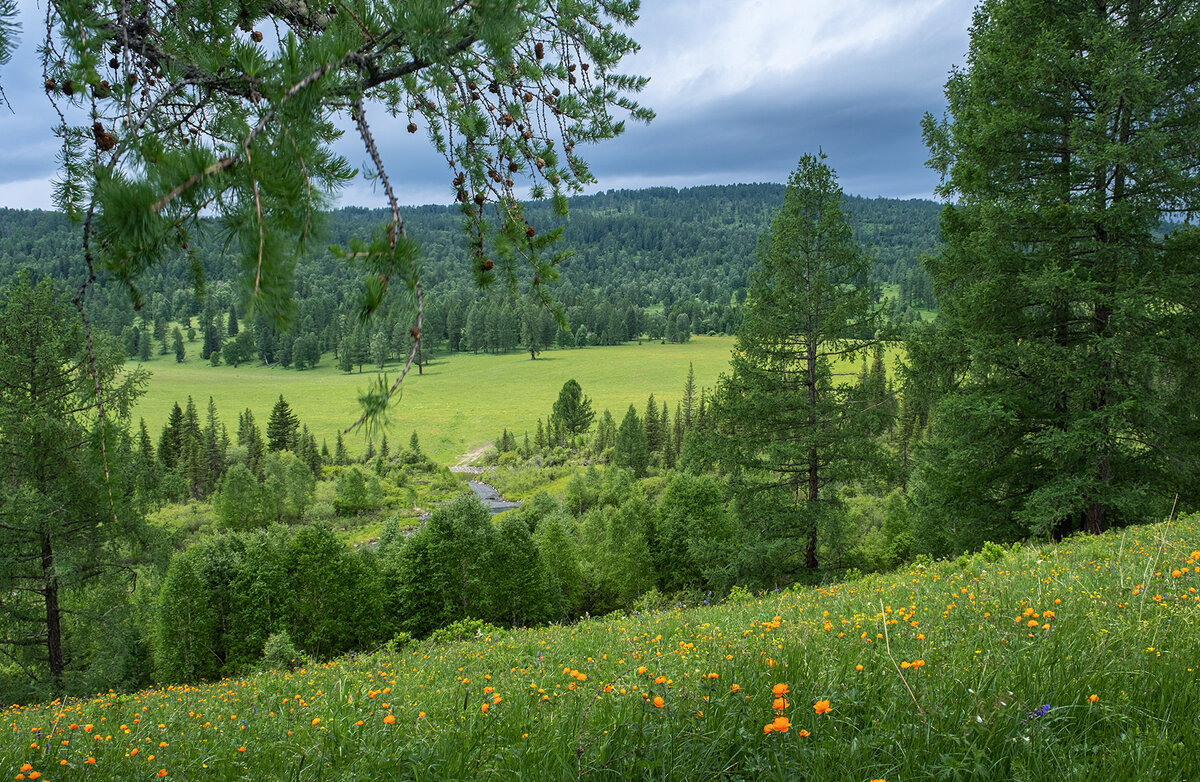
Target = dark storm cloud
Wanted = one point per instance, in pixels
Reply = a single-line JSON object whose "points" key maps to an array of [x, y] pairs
{"points": [[741, 89]]}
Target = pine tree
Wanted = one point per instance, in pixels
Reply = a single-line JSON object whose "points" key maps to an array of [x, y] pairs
{"points": [[572, 410], [68, 526], [180, 350], [282, 427], [654, 429], [171, 439], [340, 456], [1066, 294], [783, 422], [231, 321], [689, 397], [631, 449]]}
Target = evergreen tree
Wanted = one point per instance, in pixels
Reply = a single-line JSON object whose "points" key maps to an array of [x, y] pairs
{"points": [[783, 423], [282, 427], [180, 350], [572, 410], [231, 321], [171, 440], [1067, 298], [631, 451], [340, 456], [68, 527], [689, 397], [653, 426]]}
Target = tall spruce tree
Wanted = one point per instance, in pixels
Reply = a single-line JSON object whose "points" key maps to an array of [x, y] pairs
{"points": [[1068, 300], [784, 423], [282, 427]]}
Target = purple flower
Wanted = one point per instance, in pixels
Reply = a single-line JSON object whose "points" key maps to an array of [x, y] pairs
{"points": [[1040, 711]]}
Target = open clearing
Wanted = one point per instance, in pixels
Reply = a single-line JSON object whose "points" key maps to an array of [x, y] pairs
{"points": [[461, 402]]}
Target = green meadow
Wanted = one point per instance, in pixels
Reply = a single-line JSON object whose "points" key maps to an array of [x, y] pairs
{"points": [[1071, 661], [462, 400]]}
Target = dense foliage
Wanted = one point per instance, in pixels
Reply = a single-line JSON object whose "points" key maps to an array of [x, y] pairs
{"points": [[1063, 359]]}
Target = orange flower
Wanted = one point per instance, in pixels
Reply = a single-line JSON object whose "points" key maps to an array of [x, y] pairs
{"points": [[390, 719], [780, 689], [133, 751], [316, 720], [735, 688], [802, 733], [659, 702], [35, 775], [858, 667], [484, 708], [162, 772], [26, 767], [359, 723], [420, 715], [1093, 698], [90, 761], [780, 704], [822, 706]]}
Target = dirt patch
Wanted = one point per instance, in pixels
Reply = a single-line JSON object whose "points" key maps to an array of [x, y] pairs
{"points": [[464, 462]]}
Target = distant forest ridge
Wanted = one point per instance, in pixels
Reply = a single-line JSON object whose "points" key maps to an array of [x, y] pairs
{"points": [[660, 250]]}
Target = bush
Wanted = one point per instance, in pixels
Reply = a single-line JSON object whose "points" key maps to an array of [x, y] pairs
{"points": [[279, 653], [465, 629]]}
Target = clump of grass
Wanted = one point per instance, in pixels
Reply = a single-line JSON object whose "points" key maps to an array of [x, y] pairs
{"points": [[1069, 661]]}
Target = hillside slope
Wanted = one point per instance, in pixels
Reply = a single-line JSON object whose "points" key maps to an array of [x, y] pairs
{"points": [[1068, 661]]}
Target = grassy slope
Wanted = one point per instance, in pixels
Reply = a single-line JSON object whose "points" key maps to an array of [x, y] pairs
{"points": [[1011, 650], [461, 401]]}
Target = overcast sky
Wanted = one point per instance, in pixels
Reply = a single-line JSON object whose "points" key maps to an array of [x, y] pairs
{"points": [[742, 89]]}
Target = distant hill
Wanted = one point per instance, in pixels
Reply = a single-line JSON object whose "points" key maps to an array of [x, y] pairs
{"points": [[650, 247]]}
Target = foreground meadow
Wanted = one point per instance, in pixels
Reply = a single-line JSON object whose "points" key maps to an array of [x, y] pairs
{"points": [[1070, 661]]}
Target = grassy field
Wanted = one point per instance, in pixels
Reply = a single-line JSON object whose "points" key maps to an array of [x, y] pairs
{"points": [[1073, 661], [462, 401]]}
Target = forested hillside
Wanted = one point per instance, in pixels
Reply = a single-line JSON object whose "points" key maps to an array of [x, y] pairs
{"points": [[641, 259]]}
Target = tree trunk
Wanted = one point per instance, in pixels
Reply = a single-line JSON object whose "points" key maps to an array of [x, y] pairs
{"points": [[53, 615]]}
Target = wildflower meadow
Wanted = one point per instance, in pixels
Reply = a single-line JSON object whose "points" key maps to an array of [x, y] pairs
{"points": [[1068, 661]]}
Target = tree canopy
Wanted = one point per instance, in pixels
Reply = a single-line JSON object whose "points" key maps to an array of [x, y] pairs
{"points": [[1069, 308]]}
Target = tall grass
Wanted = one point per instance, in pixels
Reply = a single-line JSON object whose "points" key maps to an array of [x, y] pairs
{"points": [[1070, 661]]}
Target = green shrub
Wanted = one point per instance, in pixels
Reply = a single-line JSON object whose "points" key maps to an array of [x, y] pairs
{"points": [[463, 630], [279, 653]]}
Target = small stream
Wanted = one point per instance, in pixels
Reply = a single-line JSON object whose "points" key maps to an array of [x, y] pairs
{"points": [[491, 498]]}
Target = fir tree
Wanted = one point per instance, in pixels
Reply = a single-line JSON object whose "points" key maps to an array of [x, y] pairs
{"points": [[282, 427]]}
